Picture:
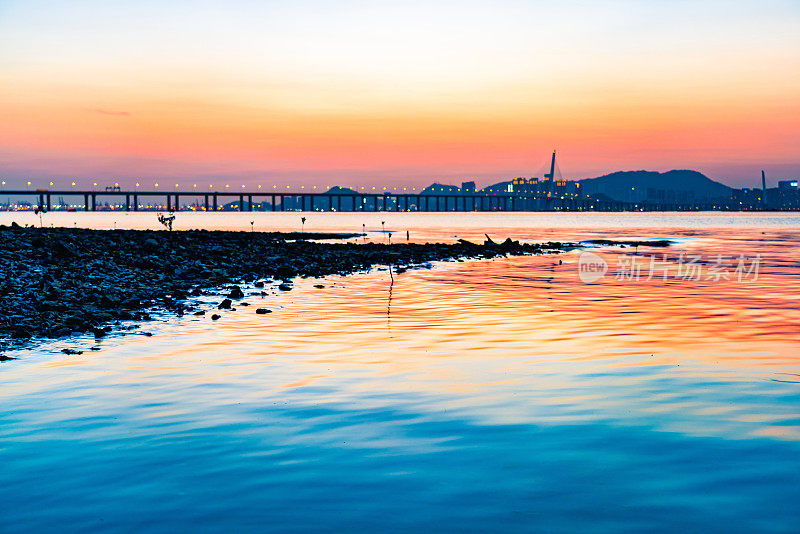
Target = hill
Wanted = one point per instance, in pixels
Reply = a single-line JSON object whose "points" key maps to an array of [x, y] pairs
{"points": [[670, 186]]}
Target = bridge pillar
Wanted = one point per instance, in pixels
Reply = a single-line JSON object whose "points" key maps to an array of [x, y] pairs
{"points": [[250, 202], [273, 203], [241, 202], [94, 202], [135, 202], [215, 201], [85, 202], [127, 202], [205, 202], [169, 202]]}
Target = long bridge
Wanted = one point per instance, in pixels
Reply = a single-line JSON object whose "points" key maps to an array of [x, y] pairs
{"points": [[334, 201]]}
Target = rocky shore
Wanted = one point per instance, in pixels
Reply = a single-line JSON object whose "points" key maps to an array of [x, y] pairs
{"points": [[55, 282]]}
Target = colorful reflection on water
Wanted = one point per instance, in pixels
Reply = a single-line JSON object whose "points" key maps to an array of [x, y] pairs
{"points": [[478, 395]]}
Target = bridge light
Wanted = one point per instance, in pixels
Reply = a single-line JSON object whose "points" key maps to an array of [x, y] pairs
{"points": [[73, 184]]}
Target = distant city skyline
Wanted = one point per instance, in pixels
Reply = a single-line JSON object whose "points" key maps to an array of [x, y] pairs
{"points": [[395, 94]]}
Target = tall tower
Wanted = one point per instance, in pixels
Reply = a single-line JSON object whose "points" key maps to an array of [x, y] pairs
{"points": [[552, 172], [763, 189], [551, 186]]}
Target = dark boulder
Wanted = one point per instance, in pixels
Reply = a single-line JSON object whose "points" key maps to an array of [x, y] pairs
{"points": [[236, 293]]}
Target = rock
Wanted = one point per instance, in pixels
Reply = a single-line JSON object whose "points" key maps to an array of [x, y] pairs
{"points": [[63, 250], [215, 317], [263, 311], [284, 272], [236, 293], [98, 332], [225, 305], [201, 312], [319, 286], [70, 351], [3, 357], [509, 244], [285, 287], [258, 284]]}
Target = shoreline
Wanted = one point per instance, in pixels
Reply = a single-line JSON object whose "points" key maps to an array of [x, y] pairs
{"points": [[57, 282]]}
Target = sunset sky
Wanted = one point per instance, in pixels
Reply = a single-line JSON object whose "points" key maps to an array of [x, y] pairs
{"points": [[395, 93]]}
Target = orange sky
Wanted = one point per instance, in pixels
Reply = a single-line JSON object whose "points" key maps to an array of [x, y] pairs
{"points": [[396, 94]]}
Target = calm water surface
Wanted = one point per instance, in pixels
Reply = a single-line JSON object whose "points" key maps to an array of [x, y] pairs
{"points": [[480, 395]]}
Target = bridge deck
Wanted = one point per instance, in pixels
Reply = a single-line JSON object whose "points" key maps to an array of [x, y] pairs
{"points": [[349, 202]]}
